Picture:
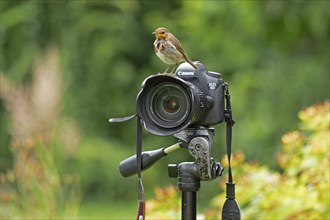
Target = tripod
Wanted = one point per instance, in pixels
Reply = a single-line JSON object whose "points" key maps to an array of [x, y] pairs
{"points": [[189, 174], [198, 142]]}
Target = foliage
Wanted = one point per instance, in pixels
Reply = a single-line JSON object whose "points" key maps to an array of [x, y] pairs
{"points": [[165, 205], [300, 191], [36, 187], [274, 55], [268, 51]]}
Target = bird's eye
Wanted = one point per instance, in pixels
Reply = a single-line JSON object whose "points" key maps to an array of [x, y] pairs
{"points": [[163, 32]]}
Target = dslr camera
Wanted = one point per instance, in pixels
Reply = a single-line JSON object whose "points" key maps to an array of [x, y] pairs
{"points": [[167, 104]]}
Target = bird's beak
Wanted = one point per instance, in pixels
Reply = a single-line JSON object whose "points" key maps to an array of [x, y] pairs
{"points": [[153, 33]]}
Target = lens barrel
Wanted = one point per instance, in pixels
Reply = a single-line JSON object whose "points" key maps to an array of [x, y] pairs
{"points": [[168, 104]]}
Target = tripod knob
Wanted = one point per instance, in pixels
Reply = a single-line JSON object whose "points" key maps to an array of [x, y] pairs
{"points": [[172, 170], [219, 169]]}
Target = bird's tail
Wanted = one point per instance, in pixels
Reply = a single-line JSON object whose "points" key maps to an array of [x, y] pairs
{"points": [[191, 63]]}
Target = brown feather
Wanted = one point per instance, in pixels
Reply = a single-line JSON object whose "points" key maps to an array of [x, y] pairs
{"points": [[178, 46]]}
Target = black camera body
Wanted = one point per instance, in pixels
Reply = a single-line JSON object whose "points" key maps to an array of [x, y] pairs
{"points": [[167, 104]]}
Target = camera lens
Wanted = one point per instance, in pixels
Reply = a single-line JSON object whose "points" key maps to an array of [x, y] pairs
{"points": [[169, 105]]}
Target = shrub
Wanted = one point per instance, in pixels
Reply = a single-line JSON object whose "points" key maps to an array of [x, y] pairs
{"points": [[36, 187]]}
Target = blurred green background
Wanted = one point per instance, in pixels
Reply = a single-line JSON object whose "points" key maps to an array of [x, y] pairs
{"points": [[68, 66]]}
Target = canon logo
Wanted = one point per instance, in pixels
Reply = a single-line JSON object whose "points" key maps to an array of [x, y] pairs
{"points": [[183, 73]]}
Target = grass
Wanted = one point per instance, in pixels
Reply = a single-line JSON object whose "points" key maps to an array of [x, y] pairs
{"points": [[111, 210]]}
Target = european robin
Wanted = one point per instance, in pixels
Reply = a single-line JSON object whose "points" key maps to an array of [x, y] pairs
{"points": [[168, 48]]}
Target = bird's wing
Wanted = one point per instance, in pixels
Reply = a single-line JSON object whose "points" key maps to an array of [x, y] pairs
{"points": [[176, 43]]}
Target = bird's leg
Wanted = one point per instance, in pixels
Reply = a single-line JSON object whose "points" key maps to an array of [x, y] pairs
{"points": [[167, 69], [174, 67]]}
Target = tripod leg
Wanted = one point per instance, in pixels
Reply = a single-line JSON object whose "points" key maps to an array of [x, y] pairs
{"points": [[188, 184], [188, 206]]}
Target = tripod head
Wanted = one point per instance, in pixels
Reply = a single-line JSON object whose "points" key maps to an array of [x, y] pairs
{"points": [[198, 142]]}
